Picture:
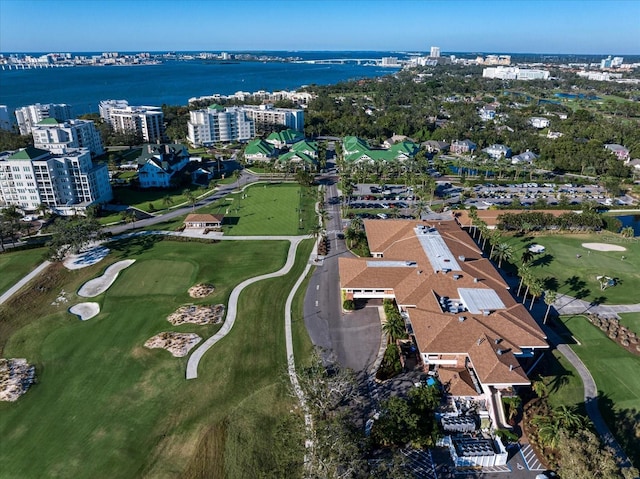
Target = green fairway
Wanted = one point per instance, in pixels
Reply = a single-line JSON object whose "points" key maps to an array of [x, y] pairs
{"points": [[281, 209], [16, 264], [262, 209], [562, 270], [615, 372], [105, 406], [631, 321]]}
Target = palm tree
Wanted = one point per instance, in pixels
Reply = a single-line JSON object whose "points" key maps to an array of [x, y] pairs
{"points": [[549, 298], [627, 232], [315, 231], [494, 239], [419, 208], [539, 387], [548, 430], [535, 288], [503, 251], [527, 257], [524, 271], [568, 418], [167, 200], [394, 328], [190, 197]]}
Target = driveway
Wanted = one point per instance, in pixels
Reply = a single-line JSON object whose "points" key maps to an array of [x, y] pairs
{"points": [[353, 339]]}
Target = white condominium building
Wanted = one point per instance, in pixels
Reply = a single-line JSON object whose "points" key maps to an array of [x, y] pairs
{"points": [[58, 137], [515, 73], [65, 183], [268, 115], [148, 121], [435, 52], [217, 124], [28, 116]]}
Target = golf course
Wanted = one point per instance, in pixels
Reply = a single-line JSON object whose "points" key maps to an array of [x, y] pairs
{"points": [[566, 266], [105, 406]]}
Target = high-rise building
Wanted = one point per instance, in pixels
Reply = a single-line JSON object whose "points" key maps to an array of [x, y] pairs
{"points": [[5, 119], [435, 52], [66, 183], [147, 121], [58, 137], [218, 124], [28, 116], [267, 115]]}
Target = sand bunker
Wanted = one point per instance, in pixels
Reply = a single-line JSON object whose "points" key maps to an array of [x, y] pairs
{"points": [[16, 377], [209, 314], [178, 344], [604, 247], [86, 258], [201, 290], [99, 285], [85, 310]]}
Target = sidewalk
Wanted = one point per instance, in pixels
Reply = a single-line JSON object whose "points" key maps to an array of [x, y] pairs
{"points": [[16, 287]]}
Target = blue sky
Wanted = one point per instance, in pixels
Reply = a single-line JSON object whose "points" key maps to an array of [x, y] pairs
{"points": [[537, 26]]}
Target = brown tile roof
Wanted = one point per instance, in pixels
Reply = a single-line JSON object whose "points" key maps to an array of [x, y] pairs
{"points": [[457, 382], [203, 218], [419, 289]]}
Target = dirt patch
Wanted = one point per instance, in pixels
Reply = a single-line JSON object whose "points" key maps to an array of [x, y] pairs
{"points": [[201, 290], [99, 285], [85, 310], [16, 377], [209, 314], [178, 344], [604, 247]]}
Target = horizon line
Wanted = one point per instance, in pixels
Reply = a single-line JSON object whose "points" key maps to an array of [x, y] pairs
{"points": [[406, 52]]}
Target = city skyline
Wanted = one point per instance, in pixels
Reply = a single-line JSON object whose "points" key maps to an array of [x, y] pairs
{"points": [[588, 27]]}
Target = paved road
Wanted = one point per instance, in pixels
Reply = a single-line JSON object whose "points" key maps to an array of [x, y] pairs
{"points": [[352, 339], [196, 356], [565, 304], [14, 289], [245, 179]]}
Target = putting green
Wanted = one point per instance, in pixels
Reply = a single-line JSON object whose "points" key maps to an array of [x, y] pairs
{"points": [[154, 277]]}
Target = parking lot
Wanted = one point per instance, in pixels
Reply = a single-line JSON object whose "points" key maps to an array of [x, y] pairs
{"points": [[400, 199]]}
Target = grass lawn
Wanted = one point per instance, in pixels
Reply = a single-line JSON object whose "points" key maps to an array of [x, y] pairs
{"points": [[16, 264], [562, 380], [142, 199], [562, 271], [105, 406], [631, 321], [263, 209], [615, 372]]}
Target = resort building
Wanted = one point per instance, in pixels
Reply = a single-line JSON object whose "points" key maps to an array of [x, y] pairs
{"points": [[284, 138], [356, 150], [59, 136], [67, 183], [514, 73], [158, 165], [28, 116], [147, 121], [217, 124], [464, 322], [259, 150], [267, 116]]}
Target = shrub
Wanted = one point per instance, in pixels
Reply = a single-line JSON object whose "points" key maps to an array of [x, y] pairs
{"points": [[348, 305]]}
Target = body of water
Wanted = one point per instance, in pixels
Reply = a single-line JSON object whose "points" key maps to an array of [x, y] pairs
{"points": [[631, 220], [174, 82]]}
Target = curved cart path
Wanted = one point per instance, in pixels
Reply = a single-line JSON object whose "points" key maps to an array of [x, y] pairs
{"points": [[196, 356]]}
